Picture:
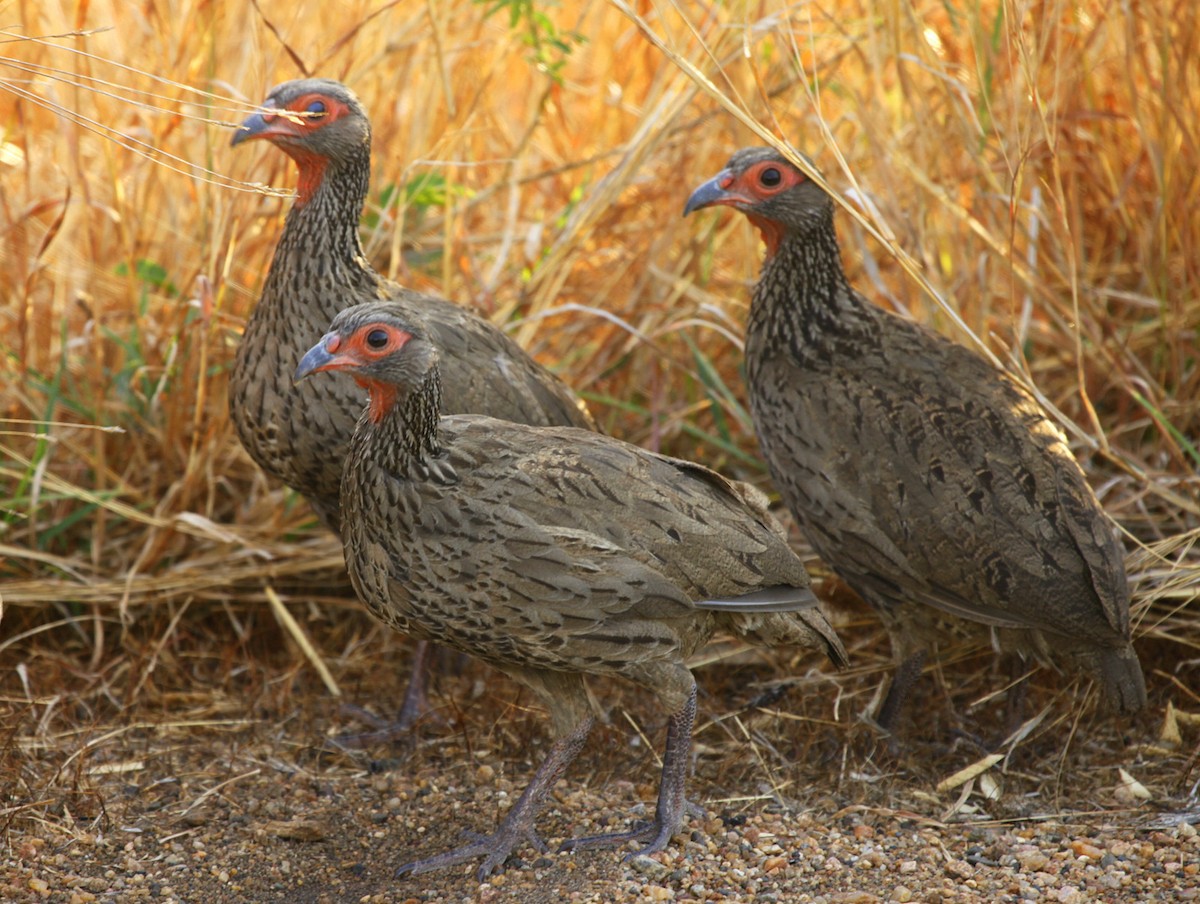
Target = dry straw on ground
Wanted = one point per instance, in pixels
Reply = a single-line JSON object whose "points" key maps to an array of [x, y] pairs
{"points": [[1020, 176]]}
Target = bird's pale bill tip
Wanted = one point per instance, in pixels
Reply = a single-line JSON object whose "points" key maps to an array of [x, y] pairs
{"points": [[315, 359], [707, 194], [252, 127]]}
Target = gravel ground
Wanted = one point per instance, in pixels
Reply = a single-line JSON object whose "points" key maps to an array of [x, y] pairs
{"points": [[216, 788], [337, 839]]}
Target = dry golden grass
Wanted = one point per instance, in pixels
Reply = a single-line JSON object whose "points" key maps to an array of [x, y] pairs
{"points": [[1029, 173]]}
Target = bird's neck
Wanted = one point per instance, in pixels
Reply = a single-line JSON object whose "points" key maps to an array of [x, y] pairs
{"points": [[400, 431], [319, 266], [803, 301]]}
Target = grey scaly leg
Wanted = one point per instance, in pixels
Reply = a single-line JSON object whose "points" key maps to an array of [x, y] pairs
{"points": [[518, 825], [672, 805]]}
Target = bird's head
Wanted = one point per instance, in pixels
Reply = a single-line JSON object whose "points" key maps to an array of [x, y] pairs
{"points": [[777, 197], [315, 121], [381, 346]]}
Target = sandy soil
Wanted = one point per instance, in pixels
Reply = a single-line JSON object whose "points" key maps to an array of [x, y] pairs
{"points": [[203, 774]]}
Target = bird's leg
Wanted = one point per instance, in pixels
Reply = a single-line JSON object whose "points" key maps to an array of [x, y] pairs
{"points": [[1018, 696], [416, 698], [518, 824], [673, 807], [415, 705], [906, 676]]}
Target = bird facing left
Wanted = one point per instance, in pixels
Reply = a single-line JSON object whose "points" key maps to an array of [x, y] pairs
{"points": [[550, 553], [300, 434]]}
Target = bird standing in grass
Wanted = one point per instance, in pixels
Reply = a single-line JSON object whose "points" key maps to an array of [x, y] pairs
{"points": [[551, 553], [930, 481], [301, 433]]}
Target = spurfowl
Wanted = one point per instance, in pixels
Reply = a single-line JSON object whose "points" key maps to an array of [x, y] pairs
{"points": [[930, 481], [301, 434], [550, 553]]}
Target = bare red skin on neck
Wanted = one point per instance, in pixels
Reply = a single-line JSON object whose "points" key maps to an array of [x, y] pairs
{"points": [[747, 188], [382, 398], [772, 232], [351, 353], [382, 395], [312, 172]]}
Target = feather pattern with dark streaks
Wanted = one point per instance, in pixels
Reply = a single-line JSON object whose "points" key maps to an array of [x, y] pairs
{"points": [[551, 553], [554, 547], [301, 433], [930, 481]]}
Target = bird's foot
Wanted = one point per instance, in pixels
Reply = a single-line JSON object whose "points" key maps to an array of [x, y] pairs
{"points": [[518, 825], [414, 708], [673, 806], [495, 849], [383, 731], [654, 836]]}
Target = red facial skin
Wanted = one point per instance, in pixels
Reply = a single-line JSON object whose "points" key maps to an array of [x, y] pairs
{"points": [[746, 189], [353, 352], [286, 126]]}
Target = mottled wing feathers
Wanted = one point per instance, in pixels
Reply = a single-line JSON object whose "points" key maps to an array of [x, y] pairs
{"points": [[485, 372], [1100, 550], [649, 505], [945, 485], [559, 548]]}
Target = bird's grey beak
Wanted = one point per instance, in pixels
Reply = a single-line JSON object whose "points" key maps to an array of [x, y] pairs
{"points": [[712, 192], [255, 126], [318, 358]]}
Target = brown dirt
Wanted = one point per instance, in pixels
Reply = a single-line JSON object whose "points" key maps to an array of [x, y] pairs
{"points": [[192, 769]]}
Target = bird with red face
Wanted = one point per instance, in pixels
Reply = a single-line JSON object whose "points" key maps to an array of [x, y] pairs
{"points": [[550, 553], [930, 481], [300, 433]]}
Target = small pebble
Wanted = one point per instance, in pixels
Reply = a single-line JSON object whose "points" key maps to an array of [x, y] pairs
{"points": [[1032, 861], [960, 869], [649, 867]]}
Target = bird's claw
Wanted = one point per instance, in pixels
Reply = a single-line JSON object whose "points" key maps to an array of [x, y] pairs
{"points": [[495, 849], [654, 835]]}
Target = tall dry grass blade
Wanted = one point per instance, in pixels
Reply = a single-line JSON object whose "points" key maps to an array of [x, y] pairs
{"points": [[300, 636], [768, 137], [292, 54]]}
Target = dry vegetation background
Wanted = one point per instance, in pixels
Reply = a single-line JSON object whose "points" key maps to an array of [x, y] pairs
{"points": [[1035, 165]]}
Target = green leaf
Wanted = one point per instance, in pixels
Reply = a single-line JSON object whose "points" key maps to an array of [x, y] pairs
{"points": [[1186, 444], [149, 273]]}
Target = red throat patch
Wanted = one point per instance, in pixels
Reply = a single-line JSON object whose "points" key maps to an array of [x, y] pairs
{"points": [[382, 398], [772, 232], [312, 173]]}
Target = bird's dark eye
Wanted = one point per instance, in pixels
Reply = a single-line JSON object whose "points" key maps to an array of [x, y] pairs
{"points": [[770, 177], [316, 109], [377, 339]]}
